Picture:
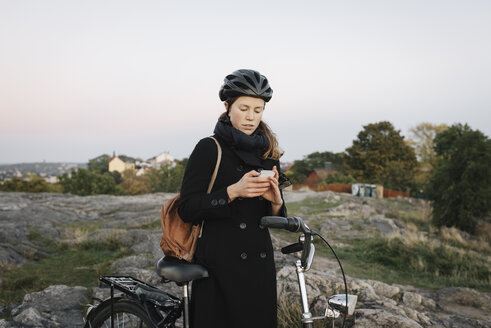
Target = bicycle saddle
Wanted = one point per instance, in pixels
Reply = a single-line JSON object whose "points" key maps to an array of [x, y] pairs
{"points": [[179, 271]]}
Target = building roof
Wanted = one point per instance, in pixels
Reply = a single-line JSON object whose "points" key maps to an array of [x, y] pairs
{"points": [[321, 173]]}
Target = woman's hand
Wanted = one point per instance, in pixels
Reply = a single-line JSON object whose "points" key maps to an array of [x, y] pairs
{"points": [[250, 185], [273, 193]]}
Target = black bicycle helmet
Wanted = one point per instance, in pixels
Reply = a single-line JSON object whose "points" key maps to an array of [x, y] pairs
{"points": [[245, 82]]}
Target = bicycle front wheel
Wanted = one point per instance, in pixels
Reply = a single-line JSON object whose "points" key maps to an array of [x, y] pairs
{"points": [[127, 314]]}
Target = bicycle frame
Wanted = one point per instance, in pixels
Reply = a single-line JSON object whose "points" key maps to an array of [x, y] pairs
{"points": [[302, 266], [154, 300]]}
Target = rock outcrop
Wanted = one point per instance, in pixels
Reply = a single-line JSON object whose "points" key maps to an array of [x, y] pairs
{"points": [[379, 304], [55, 306]]}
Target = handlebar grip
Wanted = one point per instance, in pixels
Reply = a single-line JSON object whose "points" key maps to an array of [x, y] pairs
{"points": [[297, 247], [278, 222]]}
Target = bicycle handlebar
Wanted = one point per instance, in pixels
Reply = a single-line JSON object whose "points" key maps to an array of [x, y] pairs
{"points": [[293, 224]]}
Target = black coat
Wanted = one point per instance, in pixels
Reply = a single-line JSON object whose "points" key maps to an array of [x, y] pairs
{"points": [[236, 250]]}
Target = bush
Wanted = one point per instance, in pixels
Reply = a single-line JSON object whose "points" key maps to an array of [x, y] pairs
{"points": [[83, 182], [460, 186], [339, 178], [133, 184], [32, 184]]}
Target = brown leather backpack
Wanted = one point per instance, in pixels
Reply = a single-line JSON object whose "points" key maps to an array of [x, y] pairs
{"points": [[178, 237]]}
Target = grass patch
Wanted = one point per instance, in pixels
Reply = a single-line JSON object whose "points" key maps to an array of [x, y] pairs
{"points": [[77, 264], [453, 237], [419, 216], [154, 225], [313, 204], [87, 226], [400, 204], [7, 316], [416, 262]]}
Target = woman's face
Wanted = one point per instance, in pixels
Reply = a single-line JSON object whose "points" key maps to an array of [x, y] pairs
{"points": [[246, 113]]}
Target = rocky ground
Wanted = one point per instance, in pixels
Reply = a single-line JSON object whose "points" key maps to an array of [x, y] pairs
{"points": [[56, 215]]}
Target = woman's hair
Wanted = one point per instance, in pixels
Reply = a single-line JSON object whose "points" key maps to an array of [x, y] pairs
{"points": [[273, 151]]}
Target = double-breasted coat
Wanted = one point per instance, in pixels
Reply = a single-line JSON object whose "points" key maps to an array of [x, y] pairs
{"points": [[236, 250]]}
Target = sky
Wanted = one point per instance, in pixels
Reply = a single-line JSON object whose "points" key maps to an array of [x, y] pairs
{"points": [[83, 78]]}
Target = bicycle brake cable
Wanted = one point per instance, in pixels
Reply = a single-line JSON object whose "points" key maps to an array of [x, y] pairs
{"points": [[314, 233]]}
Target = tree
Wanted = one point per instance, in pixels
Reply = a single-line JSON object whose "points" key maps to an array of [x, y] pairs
{"points": [[133, 184], [117, 177], [460, 186], [84, 182], [302, 168], [100, 164], [167, 178], [421, 139], [380, 155]]}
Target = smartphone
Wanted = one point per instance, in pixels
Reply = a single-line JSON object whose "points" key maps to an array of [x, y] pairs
{"points": [[266, 173]]}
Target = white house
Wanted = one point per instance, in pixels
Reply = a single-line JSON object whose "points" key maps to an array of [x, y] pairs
{"points": [[161, 160]]}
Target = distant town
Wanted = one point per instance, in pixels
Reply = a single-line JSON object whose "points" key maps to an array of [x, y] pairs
{"points": [[51, 171], [47, 171]]}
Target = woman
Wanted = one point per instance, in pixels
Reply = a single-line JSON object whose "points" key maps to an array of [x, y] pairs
{"points": [[236, 250]]}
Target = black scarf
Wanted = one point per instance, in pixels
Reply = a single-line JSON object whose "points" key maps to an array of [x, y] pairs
{"points": [[249, 148], [239, 139]]}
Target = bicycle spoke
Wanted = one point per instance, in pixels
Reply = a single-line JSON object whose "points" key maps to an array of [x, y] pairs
{"points": [[125, 320]]}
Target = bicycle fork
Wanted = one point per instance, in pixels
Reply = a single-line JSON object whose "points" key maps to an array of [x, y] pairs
{"points": [[307, 320], [186, 304]]}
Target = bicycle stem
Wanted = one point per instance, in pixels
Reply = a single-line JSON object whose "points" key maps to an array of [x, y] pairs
{"points": [[307, 321]]}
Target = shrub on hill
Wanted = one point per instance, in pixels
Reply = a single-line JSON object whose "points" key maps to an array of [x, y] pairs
{"points": [[84, 182], [460, 186], [32, 184]]}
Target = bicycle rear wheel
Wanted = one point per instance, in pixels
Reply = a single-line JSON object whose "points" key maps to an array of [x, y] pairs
{"points": [[127, 314]]}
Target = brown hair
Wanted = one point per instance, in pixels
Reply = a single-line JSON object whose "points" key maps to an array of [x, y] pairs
{"points": [[273, 151]]}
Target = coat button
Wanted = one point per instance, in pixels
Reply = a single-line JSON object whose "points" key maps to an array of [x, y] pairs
{"points": [[240, 198], [261, 226], [242, 225], [240, 168], [260, 197], [243, 256], [214, 202], [263, 255], [221, 201]]}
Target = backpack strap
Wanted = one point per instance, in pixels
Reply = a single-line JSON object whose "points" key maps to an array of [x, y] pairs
{"points": [[215, 172], [213, 178]]}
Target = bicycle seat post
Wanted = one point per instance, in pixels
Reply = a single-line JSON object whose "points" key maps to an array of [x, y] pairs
{"points": [[112, 305], [185, 299]]}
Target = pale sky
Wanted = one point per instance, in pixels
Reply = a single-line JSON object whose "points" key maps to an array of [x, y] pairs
{"points": [[82, 78]]}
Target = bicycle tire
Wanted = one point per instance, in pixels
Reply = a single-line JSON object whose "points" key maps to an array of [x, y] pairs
{"points": [[127, 314]]}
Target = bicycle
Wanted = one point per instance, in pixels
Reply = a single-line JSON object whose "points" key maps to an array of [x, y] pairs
{"points": [[142, 305]]}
